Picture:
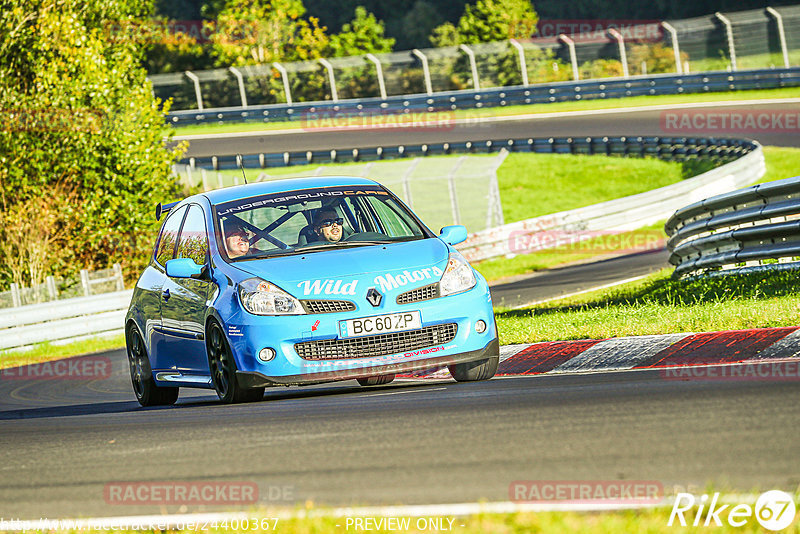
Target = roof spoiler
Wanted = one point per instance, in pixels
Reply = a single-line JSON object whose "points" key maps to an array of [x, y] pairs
{"points": [[161, 210]]}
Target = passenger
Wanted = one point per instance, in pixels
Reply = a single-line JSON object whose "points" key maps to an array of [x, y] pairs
{"points": [[237, 239], [328, 225]]}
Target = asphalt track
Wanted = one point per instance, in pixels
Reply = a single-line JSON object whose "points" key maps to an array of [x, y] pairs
{"points": [[611, 123], [62, 442], [572, 279], [410, 442]]}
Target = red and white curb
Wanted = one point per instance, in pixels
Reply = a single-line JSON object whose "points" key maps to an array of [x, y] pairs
{"points": [[644, 352]]}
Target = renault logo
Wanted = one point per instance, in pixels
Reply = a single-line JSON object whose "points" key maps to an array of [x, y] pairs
{"points": [[374, 297]]}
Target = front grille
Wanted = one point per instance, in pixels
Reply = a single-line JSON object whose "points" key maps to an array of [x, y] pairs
{"points": [[327, 306], [378, 345], [421, 293]]}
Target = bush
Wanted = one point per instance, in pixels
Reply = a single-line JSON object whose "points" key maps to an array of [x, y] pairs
{"points": [[82, 155]]}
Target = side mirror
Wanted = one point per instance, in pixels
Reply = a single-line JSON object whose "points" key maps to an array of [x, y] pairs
{"points": [[184, 268], [453, 235]]}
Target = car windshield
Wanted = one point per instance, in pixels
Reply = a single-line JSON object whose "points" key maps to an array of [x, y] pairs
{"points": [[313, 220]]}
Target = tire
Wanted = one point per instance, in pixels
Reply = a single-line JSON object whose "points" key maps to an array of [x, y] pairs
{"points": [[223, 369], [145, 388], [474, 371], [375, 380]]}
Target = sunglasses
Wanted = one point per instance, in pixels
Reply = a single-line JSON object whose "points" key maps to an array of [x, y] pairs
{"points": [[242, 234], [324, 223]]}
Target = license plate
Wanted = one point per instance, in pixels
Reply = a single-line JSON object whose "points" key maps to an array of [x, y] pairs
{"points": [[380, 324]]}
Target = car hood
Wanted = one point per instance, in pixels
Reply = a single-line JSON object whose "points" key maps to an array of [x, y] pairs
{"points": [[351, 271]]}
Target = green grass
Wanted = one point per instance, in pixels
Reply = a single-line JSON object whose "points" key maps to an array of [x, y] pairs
{"points": [[782, 163], [522, 201], [647, 238], [660, 305], [43, 352], [645, 521], [539, 184], [555, 107]]}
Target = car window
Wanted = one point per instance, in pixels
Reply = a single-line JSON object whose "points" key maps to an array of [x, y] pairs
{"points": [[284, 223], [169, 235], [395, 221], [193, 242]]}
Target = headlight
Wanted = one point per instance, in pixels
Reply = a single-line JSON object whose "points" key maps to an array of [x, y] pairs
{"points": [[457, 277], [260, 297]]}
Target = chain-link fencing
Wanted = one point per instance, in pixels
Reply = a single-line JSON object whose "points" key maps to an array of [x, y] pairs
{"points": [[441, 190], [591, 49]]}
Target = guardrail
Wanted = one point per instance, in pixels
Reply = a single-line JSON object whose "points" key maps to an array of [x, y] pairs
{"points": [[65, 320], [755, 227], [659, 84], [91, 283], [629, 213], [668, 148], [743, 163]]}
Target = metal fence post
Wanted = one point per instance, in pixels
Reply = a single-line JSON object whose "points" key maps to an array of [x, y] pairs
{"points": [[285, 77], [52, 292], [572, 57], [118, 275], [240, 80], [197, 93], [426, 72], [523, 67], [729, 32], [379, 71], [673, 34], [16, 300], [476, 83], [623, 57], [331, 78], [407, 184], [85, 282], [781, 35], [451, 184]]}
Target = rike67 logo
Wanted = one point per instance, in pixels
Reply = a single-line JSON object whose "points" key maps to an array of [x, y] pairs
{"points": [[774, 510]]}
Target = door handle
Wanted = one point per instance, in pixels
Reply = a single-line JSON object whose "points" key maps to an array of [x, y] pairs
{"points": [[165, 294]]}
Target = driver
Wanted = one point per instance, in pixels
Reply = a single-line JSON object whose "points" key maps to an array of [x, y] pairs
{"points": [[328, 225], [237, 240]]}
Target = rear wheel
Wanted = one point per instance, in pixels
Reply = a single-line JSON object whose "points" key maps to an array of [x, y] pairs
{"points": [[375, 380], [145, 388], [223, 370]]}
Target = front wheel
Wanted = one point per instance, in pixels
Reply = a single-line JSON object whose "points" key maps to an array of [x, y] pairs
{"points": [[223, 370], [474, 371], [375, 380], [145, 388]]}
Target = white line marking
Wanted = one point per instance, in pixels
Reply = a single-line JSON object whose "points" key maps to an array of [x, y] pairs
{"points": [[401, 392], [509, 118], [569, 295], [172, 521]]}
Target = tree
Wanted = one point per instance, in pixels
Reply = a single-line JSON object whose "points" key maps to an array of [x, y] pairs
{"points": [[82, 152], [364, 34], [488, 21], [262, 31]]}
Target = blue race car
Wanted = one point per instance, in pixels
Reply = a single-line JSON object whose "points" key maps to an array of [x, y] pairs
{"points": [[298, 282]]}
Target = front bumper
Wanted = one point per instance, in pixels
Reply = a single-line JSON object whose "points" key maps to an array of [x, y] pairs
{"points": [[255, 379], [247, 334]]}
